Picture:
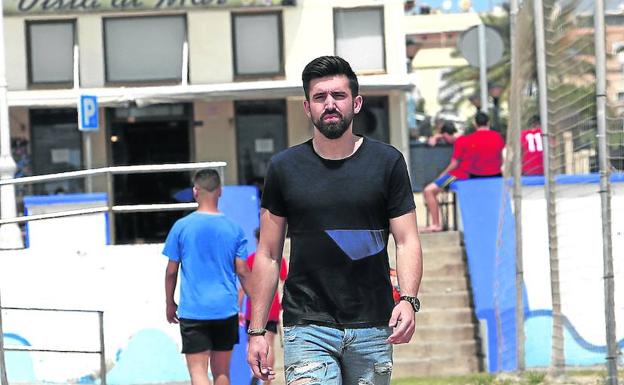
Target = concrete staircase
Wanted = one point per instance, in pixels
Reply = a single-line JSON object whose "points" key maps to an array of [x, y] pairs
{"points": [[445, 341]]}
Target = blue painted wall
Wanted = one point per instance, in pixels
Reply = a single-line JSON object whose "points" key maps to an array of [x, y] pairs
{"points": [[489, 236]]}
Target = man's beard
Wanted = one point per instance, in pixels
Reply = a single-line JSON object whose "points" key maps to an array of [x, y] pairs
{"points": [[336, 129]]}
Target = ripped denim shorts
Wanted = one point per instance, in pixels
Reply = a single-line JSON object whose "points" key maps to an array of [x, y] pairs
{"points": [[315, 354]]}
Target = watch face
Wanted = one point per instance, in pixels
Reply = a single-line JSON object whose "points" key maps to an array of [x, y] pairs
{"points": [[413, 301], [416, 304]]}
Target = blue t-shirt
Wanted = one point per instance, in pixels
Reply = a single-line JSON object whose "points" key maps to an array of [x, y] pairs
{"points": [[206, 246]]}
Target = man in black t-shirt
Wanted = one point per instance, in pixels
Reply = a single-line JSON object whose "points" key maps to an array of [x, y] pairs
{"points": [[341, 196]]}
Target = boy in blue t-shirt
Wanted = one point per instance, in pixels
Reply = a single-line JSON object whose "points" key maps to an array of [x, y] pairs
{"points": [[211, 251]]}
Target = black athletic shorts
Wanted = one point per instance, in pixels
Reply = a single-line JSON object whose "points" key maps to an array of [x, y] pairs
{"points": [[202, 335], [271, 326], [475, 176]]}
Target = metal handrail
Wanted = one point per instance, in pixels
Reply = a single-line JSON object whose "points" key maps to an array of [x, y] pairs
{"points": [[115, 170], [95, 210], [110, 208], [101, 350]]}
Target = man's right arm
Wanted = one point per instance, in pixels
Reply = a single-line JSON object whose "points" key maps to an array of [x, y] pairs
{"points": [[458, 149], [451, 166], [265, 275]]}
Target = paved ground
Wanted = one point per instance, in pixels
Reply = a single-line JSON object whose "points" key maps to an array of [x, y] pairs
{"points": [[502, 379], [571, 378]]}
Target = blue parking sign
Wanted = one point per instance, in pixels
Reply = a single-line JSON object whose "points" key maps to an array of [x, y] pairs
{"points": [[88, 119]]}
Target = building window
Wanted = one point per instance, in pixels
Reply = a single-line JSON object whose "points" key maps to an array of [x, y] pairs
{"points": [[620, 96], [144, 49], [50, 52], [56, 147], [260, 133], [359, 38], [257, 44]]}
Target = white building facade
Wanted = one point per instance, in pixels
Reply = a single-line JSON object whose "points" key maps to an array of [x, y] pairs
{"points": [[182, 81]]}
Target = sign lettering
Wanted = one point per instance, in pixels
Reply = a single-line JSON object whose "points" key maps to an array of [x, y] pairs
{"points": [[88, 119], [34, 7], [45, 6]]}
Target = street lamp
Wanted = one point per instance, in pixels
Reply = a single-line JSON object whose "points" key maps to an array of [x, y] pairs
{"points": [[411, 48], [495, 92], [475, 100]]}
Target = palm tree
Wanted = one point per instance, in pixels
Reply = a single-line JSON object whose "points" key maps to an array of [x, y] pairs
{"points": [[466, 78]]}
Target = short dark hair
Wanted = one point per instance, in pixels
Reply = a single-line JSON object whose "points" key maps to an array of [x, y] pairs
{"points": [[257, 233], [481, 119], [448, 128], [208, 179], [327, 66], [534, 120]]}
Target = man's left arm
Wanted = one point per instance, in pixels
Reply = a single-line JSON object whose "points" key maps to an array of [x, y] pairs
{"points": [[244, 276], [171, 280], [409, 267]]}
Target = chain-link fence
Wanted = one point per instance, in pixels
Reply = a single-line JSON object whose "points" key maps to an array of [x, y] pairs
{"points": [[553, 142]]}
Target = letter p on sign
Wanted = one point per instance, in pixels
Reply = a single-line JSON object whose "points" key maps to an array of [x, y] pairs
{"points": [[88, 119]]}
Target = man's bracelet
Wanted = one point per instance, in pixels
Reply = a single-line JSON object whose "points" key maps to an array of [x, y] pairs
{"points": [[256, 332]]}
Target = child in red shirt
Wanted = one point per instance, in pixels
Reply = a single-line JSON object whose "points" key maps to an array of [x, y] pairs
{"points": [[274, 313]]}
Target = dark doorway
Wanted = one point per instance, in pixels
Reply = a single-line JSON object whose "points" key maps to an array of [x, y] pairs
{"points": [[149, 138], [260, 133]]}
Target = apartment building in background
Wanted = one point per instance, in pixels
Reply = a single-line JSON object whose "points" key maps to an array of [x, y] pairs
{"points": [[436, 35]]}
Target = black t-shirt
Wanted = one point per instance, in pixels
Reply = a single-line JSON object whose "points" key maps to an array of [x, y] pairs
{"points": [[338, 215]]}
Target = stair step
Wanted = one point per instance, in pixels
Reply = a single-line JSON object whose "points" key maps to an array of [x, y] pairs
{"points": [[448, 249], [419, 349], [443, 284], [432, 243], [440, 334], [448, 316], [449, 269], [440, 240], [434, 366], [445, 300], [451, 254], [438, 260]]}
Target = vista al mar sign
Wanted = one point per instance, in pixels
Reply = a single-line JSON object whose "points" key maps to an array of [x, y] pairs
{"points": [[31, 7]]}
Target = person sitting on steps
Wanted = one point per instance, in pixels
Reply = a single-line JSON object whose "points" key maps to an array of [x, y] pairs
{"points": [[477, 155]]}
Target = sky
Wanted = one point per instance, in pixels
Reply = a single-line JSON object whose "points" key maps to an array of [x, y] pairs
{"points": [[487, 5], [477, 5]]}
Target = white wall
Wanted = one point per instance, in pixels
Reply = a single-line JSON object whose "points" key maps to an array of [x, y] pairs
{"points": [[15, 53], [579, 233], [210, 47], [90, 41], [126, 282]]}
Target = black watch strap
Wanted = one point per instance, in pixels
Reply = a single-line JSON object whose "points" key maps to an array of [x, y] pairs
{"points": [[413, 301], [256, 332]]}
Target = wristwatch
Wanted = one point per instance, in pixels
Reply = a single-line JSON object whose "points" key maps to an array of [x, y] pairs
{"points": [[412, 300], [256, 332]]}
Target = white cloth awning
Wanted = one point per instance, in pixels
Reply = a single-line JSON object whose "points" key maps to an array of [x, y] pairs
{"points": [[142, 96]]}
